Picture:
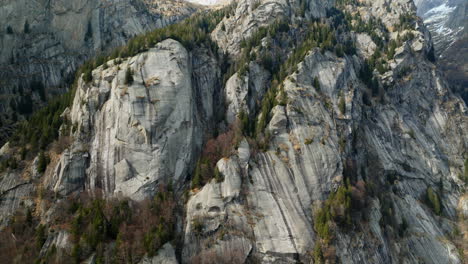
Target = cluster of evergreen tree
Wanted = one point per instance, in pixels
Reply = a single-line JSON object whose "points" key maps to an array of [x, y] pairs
{"points": [[326, 34], [115, 231], [42, 127], [191, 32], [122, 230]]}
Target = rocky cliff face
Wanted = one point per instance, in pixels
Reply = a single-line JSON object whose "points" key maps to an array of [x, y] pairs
{"points": [[251, 15], [132, 136], [43, 42], [358, 152], [445, 19], [267, 203], [447, 22]]}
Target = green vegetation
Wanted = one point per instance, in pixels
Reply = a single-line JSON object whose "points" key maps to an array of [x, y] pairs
{"points": [[197, 226], [337, 208], [41, 236], [342, 105], [403, 71], [268, 102], [214, 150], [129, 76], [9, 30], [42, 127], [42, 162], [336, 212], [26, 29], [391, 49], [119, 231], [219, 177], [323, 34], [412, 134], [28, 237], [316, 84], [403, 227], [464, 176], [136, 228], [318, 254], [256, 4], [407, 22], [319, 35], [89, 32], [367, 76], [88, 76], [192, 32], [8, 163], [433, 201], [197, 176]]}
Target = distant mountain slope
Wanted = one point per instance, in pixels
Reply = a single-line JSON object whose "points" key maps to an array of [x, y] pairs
{"points": [[447, 20]]}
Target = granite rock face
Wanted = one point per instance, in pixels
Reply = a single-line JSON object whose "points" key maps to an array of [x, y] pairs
{"points": [[243, 92], [392, 145], [43, 42], [132, 136], [447, 20], [250, 15], [15, 193], [411, 138], [165, 255]]}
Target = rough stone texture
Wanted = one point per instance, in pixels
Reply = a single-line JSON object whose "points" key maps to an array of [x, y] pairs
{"points": [[131, 137], [447, 20], [60, 240], [69, 172], [14, 193], [165, 255], [217, 209], [411, 136], [242, 93], [250, 15], [463, 206], [365, 45], [415, 134], [62, 34]]}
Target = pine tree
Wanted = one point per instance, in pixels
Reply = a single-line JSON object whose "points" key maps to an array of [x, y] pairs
{"points": [[26, 27], [9, 30], [129, 76], [42, 162]]}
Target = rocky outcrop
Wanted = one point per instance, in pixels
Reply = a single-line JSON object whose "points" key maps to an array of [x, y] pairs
{"points": [[409, 138], [447, 20], [42, 43], [250, 15], [243, 92], [217, 209], [165, 255], [396, 145], [15, 193], [133, 135]]}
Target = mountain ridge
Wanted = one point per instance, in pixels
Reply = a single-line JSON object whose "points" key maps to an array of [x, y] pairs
{"points": [[264, 132]]}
